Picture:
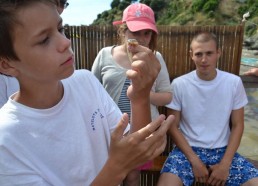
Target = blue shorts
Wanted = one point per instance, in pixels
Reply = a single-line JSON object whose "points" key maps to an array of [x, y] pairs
{"points": [[240, 171]]}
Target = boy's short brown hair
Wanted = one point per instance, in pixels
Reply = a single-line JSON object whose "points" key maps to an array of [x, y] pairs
{"points": [[8, 20]]}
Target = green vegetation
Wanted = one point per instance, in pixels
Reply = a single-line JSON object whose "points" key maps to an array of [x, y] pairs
{"points": [[191, 12]]}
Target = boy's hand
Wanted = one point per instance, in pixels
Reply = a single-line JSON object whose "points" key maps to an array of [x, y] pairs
{"points": [[219, 174], [200, 171], [128, 152], [145, 69], [251, 72]]}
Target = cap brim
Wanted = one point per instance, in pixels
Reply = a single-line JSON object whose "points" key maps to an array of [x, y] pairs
{"points": [[117, 22], [135, 26]]}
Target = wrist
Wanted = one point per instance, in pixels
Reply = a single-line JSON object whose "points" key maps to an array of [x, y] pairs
{"points": [[111, 174], [225, 163], [116, 168], [193, 159], [143, 100]]}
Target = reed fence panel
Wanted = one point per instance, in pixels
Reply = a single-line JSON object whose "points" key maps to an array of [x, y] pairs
{"points": [[173, 43]]}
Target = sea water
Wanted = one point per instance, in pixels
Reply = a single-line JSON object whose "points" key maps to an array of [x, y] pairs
{"points": [[249, 61]]}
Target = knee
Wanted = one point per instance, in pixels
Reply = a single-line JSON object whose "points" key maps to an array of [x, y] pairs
{"points": [[166, 179]]}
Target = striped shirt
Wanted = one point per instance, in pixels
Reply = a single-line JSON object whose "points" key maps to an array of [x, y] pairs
{"points": [[124, 102]]}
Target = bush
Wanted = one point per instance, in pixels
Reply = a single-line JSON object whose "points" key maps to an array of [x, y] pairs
{"points": [[210, 6], [115, 3], [147, 2], [197, 5], [157, 5], [124, 4], [210, 14]]}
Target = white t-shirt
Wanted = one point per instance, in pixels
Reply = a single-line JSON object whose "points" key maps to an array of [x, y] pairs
{"points": [[63, 145], [8, 86], [206, 107]]}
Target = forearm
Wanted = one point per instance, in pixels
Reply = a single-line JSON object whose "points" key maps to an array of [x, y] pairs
{"points": [[252, 71], [140, 114], [180, 141], [233, 144], [144, 70], [160, 98], [256, 71], [178, 138], [110, 175]]}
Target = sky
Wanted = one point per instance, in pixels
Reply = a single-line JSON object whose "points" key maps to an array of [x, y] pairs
{"points": [[84, 12]]}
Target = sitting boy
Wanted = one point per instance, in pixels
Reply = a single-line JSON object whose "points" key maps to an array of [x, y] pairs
{"points": [[204, 102]]}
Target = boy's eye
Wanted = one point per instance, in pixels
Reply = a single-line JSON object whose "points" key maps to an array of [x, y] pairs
{"points": [[148, 33], [44, 41], [199, 54], [134, 33], [61, 30], [209, 53]]}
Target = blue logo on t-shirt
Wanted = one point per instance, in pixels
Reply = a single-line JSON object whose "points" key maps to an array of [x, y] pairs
{"points": [[93, 117]]}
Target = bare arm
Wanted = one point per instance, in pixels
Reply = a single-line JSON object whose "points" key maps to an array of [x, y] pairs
{"points": [[220, 171], [252, 71], [199, 169], [145, 69], [237, 118], [160, 98]]}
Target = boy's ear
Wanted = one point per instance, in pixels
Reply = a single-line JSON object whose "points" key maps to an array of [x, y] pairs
{"points": [[6, 68], [191, 54], [219, 52]]}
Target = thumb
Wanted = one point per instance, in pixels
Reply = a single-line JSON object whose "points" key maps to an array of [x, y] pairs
{"points": [[120, 128]]}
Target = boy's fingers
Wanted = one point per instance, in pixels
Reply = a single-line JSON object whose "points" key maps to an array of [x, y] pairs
{"points": [[159, 136], [120, 128], [170, 119], [162, 130], [143, 133], [156, 142], [131, 74], [164, 126], [160, 147]]}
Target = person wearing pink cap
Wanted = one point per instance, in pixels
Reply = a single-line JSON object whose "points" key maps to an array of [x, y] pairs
{"points": [[112, 62]]}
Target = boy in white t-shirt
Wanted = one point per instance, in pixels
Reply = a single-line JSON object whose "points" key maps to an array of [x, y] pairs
{"points": [[61, 128], [204, 102]]}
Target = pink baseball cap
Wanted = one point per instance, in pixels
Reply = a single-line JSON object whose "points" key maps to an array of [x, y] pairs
{"points": [[138, 16]]}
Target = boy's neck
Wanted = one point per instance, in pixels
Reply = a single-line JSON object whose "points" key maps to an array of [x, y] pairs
{"points": [[40, 98]]}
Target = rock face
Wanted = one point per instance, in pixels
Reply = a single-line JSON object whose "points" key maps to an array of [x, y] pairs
{"points": [[251, 43]]}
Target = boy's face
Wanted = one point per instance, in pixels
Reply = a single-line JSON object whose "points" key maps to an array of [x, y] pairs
{"points": [[205, 56], [44, 52]]}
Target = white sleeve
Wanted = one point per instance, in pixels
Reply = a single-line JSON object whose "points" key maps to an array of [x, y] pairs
{"points": [[163, 80], [176, 100]]}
